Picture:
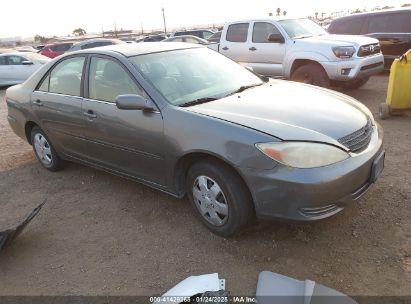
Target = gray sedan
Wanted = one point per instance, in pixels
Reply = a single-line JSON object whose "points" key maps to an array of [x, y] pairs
{"points": [[188, 121]]}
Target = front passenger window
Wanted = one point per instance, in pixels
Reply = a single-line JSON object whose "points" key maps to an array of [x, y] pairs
{"points": [[108, 79], [65, 78]]}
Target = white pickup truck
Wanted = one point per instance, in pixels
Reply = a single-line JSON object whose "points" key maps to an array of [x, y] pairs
{"points": [[301, 50]]}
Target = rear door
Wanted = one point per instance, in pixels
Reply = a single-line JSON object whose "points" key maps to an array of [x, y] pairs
{"points": [[266, 57], [126, 141], [57, 103], [234, 42]]}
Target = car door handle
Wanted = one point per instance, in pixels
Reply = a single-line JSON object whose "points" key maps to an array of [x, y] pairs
{"points": [[252, 49], [90, 114], [225, 48], [38, 103]]}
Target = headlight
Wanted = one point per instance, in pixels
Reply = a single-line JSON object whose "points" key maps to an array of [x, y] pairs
{"points": [[303, 154], [344, 51]]}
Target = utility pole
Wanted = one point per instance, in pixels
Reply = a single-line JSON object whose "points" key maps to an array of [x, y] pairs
{"points": [[164, 20]]}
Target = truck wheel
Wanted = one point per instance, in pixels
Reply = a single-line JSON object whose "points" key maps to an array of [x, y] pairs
{"points": [[220, 197], [354, 84], [311, 73], [384, 111], [44, 151]]}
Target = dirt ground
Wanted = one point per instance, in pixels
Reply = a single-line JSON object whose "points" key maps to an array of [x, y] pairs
{"points": [[99, 234]]}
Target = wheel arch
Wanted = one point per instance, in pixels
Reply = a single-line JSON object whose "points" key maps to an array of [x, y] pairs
{"points": [[298, 60], [27, 130], [187, 160]]}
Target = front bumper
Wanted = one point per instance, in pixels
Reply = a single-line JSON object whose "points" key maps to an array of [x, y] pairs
{"points": [[313, 194], [354, 68]]}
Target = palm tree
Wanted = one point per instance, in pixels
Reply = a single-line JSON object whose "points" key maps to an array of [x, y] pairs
{"points": [[316, 15], [278, 11]]}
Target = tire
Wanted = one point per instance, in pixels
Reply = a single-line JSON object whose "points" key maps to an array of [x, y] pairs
{"points": [[384, 111], [44, 150], [222, 200], [311, 73], [354, 84]]}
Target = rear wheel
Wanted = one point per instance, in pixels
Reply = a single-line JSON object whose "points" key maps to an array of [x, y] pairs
{"points": [[44, 150], [311, 73], [219, 197]]}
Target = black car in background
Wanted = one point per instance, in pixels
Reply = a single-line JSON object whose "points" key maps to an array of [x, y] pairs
{"points": [[392, 28], [152, 38]]}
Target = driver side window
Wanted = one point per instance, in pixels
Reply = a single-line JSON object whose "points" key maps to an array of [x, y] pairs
{"points": [[262, 30]]}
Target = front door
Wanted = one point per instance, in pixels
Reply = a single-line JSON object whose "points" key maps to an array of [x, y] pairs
{"points": [[127, 141], [266, 56]]}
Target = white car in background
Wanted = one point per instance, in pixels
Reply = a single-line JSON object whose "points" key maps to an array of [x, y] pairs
{"points": [[16, 67]]}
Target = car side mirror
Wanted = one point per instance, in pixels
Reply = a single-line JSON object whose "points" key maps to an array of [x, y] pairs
{"points": [[27, 62], [134, 102], [276, 38]]}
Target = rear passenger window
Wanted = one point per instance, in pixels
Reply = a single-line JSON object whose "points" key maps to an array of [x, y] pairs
{"points": [[65, 78], [108, 79], [3, 60], [262, 30], [237, 32]]}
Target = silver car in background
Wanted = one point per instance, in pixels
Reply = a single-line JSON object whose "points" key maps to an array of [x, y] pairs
{"points": [[93, 43], [189, 121], [16, 67]]}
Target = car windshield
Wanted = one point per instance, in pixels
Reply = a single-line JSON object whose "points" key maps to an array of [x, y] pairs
{"points": [[302, 28], [189, 75]]}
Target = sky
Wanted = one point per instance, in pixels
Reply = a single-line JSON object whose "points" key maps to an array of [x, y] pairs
{"points": [[27, 18]]}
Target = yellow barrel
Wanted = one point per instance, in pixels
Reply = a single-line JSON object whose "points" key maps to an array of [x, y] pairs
{"points": [[399, 85]]}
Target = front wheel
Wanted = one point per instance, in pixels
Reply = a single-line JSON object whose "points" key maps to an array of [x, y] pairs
{"points": [[220, 197], [311, 73], [45, 152]]}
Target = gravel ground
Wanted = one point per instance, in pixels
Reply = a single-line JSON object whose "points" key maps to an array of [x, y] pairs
{"points": [[99, 234]]}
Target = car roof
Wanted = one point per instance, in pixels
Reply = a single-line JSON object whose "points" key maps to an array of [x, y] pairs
{"points": [[193, 30], [271, 18], [381, 12], [58, 43], [186, 36], [16, 54], [98, 40], [142, 48]]}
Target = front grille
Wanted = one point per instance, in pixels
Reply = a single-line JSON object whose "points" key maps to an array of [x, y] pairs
{"points": [[359, 140], [369, 49]]}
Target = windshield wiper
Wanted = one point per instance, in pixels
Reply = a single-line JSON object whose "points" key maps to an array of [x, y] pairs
{"points": [[243, 88], [198, 101]]}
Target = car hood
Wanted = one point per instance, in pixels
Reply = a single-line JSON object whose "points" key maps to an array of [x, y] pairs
{"points": [[291, 111], [344, 40]]}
